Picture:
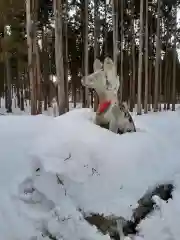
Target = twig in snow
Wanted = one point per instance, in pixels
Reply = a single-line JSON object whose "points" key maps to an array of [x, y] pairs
{"points": [[145, 206], [59, 181], [49, 235], [67, 157], [95, 171], [66, 218]]}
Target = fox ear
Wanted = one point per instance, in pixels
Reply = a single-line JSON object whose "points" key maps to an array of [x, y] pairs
{"points": [[97, 65]]}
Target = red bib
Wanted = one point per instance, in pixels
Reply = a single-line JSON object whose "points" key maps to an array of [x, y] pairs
{"points": [[103, 107]]}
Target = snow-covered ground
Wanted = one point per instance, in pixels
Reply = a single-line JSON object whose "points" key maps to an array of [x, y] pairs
{"points": [[52, 111], [51, 167]]}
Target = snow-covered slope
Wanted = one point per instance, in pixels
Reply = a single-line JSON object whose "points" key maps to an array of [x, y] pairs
{"points": [[17, 135], [51, 167]]}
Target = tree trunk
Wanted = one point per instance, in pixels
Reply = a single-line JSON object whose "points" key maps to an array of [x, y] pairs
{"points": [[166, 69], [8, 78], [166, 81], [18, 84], [156, 85], [66, 56], [96, 44], [22, 93], [146, 61], [30, 58], [8, 75], [150, 70], [169, 82], [105, 30], [45, 61], [174, 64], [150, 85], [74, 93], [86, 62], [115, 23], [160, 85], [139, 107], [133, 82], [59, 56], [85, 59], [122, 55], [38, 72]]}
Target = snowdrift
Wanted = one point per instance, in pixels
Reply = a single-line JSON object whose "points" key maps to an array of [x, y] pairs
{"points": [[53, 167]]}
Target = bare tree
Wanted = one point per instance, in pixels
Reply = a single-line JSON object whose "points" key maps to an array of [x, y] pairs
{"points": [[133, 80], [160, 66], [174, 64], [38, 72], [66, 55], [115, 27], [122, 55], [96, 42], [8, 74], [146, 61], [156, 85], [166, 69], [29, 29], [105, 29], [58, 10], [45, 72], [86, 62], [139, 107]]}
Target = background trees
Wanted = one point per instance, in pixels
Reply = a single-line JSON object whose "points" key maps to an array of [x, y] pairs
{"points": [[38, 45]]}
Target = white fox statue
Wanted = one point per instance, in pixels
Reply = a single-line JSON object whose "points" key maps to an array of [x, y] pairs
{"points": [[110, 114]]}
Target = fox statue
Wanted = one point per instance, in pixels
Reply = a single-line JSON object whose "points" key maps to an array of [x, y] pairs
{"points": [[110, 113]]}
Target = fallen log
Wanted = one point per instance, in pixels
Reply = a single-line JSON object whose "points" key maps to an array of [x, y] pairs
{"points": [[118, 227]]}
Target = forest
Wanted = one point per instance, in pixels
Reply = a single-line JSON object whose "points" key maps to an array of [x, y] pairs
{"points": [[45, 40], [89, 119]]}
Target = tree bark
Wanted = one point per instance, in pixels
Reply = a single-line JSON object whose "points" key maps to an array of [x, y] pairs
{"points": [[38, 72], [18, 84], [58, 9], [105, 31], [85, 59], [30, 58], [96, 44], [8, 75], [174, 64], [133, 91], [122, 54], [115, 23], [8, 78], [139, 107], [45, 62], [156, 85], [146, 61], [166, 69], [66, 56]]}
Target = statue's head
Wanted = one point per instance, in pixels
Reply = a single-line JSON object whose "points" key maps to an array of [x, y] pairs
{"points": [[104, 78], [96, 80]]}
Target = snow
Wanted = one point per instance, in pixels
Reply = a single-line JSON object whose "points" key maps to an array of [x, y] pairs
{"points": [[51, 167], [51, 111]]}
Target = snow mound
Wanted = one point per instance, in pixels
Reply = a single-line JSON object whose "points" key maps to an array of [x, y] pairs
{"points": [[60, 165], [95, 162]]}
